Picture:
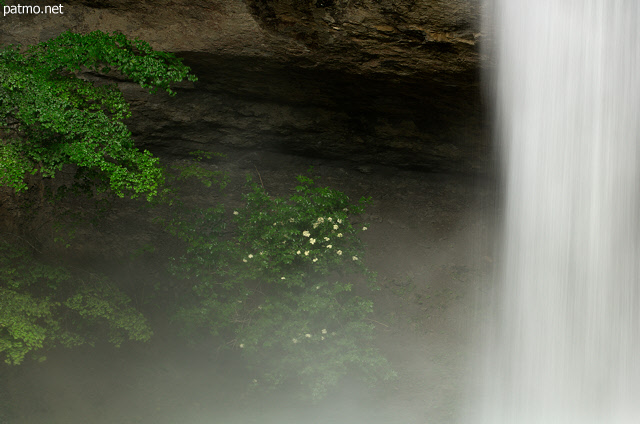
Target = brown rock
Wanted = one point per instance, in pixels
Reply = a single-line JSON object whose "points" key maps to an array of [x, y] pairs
{"points": [[394, 82]]}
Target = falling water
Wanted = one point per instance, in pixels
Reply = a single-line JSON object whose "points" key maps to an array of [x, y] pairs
{"points": [[566, 349]]}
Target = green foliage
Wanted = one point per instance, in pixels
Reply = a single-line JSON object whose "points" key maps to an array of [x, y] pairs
{"points": [[272, 280], [51, 116], [194, 170], [44, 306]]}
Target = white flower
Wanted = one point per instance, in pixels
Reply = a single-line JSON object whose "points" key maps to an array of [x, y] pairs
{"points": [[320, 220], [255, 381], [291, 220], [339, 221], [339, 234], [339, 252], [294, 340], [298, 252], [274, 224], [241, 345], [261, 253], [317, 287], [306, 253], [355, 258], [329, 246], [330, 219], [315, 259], [335, 226], [324, 331], [346, 209], [364, 228], [282, 278], [306, 233], [308, 336], [235, 212], [250, 256], [315, 225], [321, 337], [326, 239], [312, 241], [244, 260]]}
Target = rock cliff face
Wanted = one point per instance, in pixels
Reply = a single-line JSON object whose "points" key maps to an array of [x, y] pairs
{"points": [[387, 81]]}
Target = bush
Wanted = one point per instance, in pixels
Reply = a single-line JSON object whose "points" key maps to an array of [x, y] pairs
{"points": [[273, 280], [44, 306]]}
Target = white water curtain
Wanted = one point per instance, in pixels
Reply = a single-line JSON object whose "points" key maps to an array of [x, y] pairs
{"points": [[565, 348]]}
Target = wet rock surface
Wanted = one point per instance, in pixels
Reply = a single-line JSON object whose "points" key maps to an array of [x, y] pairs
{"points": [[378, 81]]}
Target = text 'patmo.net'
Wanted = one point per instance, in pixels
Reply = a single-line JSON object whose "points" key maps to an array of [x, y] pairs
{"points": [[32, 10]]}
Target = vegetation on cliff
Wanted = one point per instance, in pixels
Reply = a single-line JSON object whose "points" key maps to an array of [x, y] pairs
{"points": [[272, 279], [52, 114]]}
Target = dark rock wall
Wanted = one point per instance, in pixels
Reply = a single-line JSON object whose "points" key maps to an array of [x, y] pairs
{"points": [[392, 82]]}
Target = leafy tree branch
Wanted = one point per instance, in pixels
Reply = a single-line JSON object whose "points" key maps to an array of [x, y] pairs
{"points": [[44, 305], [50, 116]]}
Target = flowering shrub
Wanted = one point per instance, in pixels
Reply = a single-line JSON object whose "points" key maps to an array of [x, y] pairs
{"points": [[275, 284]]}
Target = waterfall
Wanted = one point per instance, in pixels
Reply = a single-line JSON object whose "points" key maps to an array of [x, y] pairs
{"points": [[565, 348]]}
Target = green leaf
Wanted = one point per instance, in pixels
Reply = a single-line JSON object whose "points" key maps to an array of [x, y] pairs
{"points": [[50, 116]]}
